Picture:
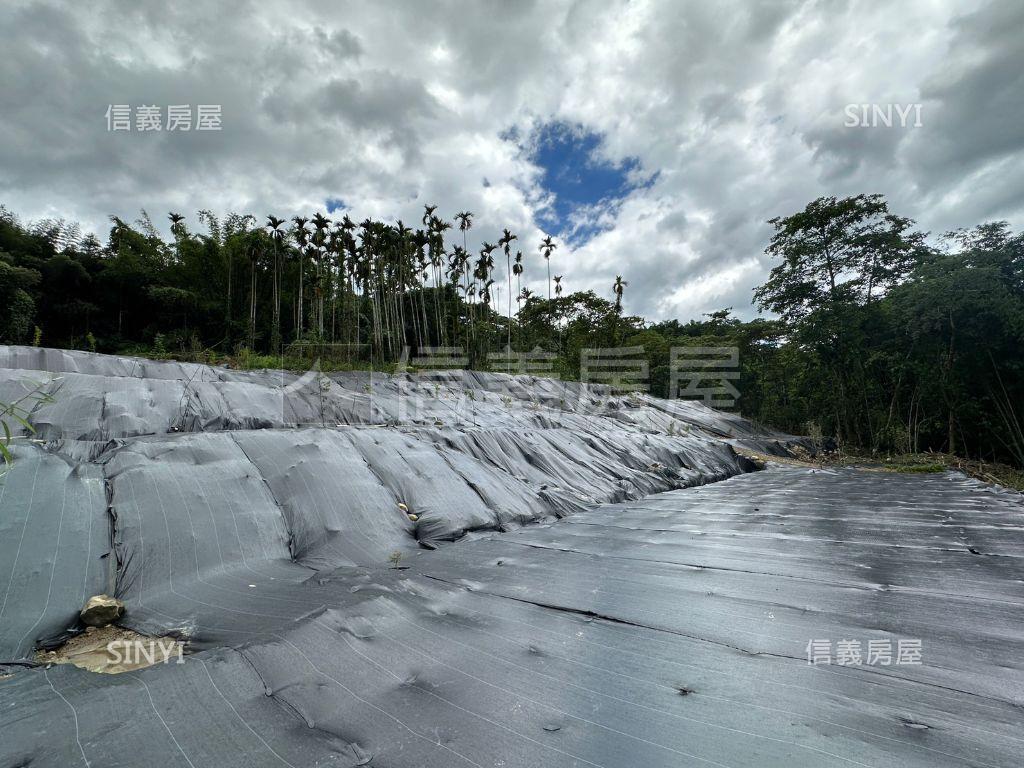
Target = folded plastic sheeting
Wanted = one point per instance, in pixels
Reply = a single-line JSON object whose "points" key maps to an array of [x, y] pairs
{"points": [[98, 398], [208, 470], [666, 632], [602, 605], [190, 508], [54, 532]]}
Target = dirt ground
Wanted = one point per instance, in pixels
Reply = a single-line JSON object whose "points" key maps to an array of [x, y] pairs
{"points": [[112, 650]]}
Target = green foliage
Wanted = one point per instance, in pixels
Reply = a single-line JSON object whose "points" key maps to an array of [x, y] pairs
{"points": [[159, 345], [17, 413], [17, 307], [19, 315], [907, 347], [837, 252], [884, 343], [916, 469]]}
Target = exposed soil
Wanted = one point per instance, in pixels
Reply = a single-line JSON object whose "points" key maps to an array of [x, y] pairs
{"points": [[112, 650]]}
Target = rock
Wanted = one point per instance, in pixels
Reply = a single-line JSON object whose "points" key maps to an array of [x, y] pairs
{"points": [[100, 610]]}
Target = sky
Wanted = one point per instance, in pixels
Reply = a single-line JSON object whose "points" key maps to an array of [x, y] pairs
{"points": [[652, 139]]}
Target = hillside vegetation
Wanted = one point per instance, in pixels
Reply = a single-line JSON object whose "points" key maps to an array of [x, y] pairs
{"points": [[890, 341]]}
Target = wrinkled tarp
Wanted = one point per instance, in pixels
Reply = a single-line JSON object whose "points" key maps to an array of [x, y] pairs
{"points": [[667, 629], [54, 531], [166, 467]]}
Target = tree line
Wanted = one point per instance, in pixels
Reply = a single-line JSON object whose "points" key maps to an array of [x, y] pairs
{"points": [[887, 339], [370, 289]]}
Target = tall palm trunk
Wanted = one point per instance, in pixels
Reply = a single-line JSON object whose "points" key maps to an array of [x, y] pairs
{"points": [[321, 290], [508, 265], [298, 314], [440, 301], [275, 331], [519, 311], [423, 313], [471, 310], [227, 320], [437, 306], [252, 303]]}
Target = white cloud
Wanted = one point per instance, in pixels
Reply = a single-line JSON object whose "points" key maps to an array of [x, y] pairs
{"points": [[737, 107]]}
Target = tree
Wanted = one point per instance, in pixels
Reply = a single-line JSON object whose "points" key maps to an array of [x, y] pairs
{"points": [[254, 249], [17, 307], [506, 243], [962, 317], [837, 251], [484, 267], [301, 235], [274, 225], [517, 270], [318, 248], [879, 340], [436, 253], [465, 224], [67, 285], [547, 247], [617, 288], [837, 256]]}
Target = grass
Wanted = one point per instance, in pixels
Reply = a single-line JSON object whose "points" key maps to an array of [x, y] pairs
{"points": [[249, 361], [912, 463], [911, 469], [245, 360], [1001, 474]]}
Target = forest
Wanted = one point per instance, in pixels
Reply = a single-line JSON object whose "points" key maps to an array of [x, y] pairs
{"points": [[886, 338]]}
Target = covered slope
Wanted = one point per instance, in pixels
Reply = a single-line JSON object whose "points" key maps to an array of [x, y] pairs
{"points": [[667, 629], [143, 477]]}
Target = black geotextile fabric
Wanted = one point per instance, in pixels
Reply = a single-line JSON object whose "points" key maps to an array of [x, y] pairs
{"points": [[54, 533], [629, 624], [141, 475]]}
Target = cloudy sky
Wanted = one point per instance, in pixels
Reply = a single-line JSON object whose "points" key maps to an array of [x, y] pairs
{"points": [[653, 139]]}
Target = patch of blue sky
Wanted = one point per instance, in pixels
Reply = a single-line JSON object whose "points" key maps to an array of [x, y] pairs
{"points": [[582, 187]]}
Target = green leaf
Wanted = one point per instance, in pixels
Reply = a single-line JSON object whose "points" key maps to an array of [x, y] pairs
{"points": [[24, 423]]}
